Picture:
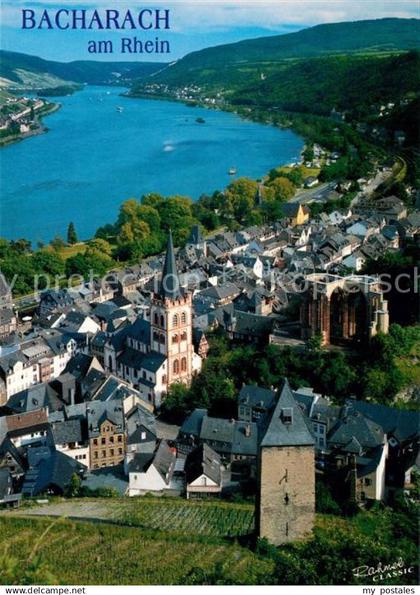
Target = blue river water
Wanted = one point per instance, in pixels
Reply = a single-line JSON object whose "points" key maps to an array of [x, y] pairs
{"points": [[96, 155]]}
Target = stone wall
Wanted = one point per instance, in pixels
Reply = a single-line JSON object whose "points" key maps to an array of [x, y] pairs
{"points": [[286, 498]]}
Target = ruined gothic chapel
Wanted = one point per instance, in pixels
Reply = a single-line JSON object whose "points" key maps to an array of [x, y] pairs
{"points": [[343, 309], [157, 350]]}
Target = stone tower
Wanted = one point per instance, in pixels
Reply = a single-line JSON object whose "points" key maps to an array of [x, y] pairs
{"points": [[286, 474], [171, 322]]}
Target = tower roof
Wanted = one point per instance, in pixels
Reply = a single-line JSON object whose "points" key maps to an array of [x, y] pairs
{"points": [[287, 426], [170, 285]]}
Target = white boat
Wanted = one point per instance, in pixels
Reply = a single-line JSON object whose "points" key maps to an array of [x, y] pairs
{"points": [[120, 109], [232, 171]]}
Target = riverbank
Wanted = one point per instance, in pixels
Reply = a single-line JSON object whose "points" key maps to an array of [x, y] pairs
{"points": [[41, 129]]}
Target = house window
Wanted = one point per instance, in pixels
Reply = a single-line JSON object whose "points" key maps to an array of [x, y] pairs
{"points": [[287, 415], [111, 452], [95, 455], [162, 322], [175, 320], [183, 318], [175, 338], [119, 438], [176, 367], [164, 379], [120, 451], [368, 481], [184, 336], [143, 435], [184, 364], [95, 442], [104, 454], [156, 319]]}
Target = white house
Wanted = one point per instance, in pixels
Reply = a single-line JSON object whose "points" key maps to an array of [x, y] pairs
{"points": [[154, 472]]}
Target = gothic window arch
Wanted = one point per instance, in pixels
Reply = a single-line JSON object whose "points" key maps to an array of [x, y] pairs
{"points": [[162, 324], [175, 320], [184, 336], [184, 318], [156, 319], [175, 338], [184, 364], [176, 366]]}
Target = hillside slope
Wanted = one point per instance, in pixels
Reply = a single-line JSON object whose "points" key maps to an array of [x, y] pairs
{"points": [[382, 35], [13, 63], [345, 82]]}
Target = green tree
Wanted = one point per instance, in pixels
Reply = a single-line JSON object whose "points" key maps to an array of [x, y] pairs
{"points": [[57, 243], [74, 487], [240, 198], [101, 245], [283, 188], [46, 262]]}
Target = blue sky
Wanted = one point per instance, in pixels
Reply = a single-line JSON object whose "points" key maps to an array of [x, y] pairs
{"points": [[194, 24]]}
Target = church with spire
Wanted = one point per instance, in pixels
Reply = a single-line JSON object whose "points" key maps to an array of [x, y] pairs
{"points": [[156, 350]]}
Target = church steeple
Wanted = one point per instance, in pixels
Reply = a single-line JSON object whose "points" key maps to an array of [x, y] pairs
{"points": [[169, 286]]}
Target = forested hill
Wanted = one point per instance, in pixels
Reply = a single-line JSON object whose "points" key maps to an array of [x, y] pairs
{"points": [[12, 64], [352, 83], [211, 64]]}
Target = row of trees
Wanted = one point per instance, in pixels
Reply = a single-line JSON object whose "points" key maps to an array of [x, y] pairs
{"points": [[27, 270], [142, 225]]}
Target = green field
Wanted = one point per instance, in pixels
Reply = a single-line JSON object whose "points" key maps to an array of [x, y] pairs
{"points": [[216, 520], [170, 541], [171, 515]]}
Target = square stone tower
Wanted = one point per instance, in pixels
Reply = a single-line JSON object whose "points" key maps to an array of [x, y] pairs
{"points": [[286, 474]]}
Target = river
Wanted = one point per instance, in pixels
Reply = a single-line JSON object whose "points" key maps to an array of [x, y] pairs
{"points": [[96, 155]]}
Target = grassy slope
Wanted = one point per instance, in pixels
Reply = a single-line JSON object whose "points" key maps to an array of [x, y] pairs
{"points": [[100, 553], [83, 552], [174, 515]]}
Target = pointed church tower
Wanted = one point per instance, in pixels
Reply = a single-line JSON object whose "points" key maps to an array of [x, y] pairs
{"points": [[171, 322], [285, 507]]}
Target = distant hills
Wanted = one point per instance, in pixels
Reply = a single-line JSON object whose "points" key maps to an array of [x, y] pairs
{"points": [[310, 70], [352, 83], [31, 71], [240, 60]]}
